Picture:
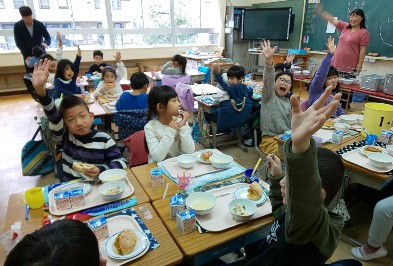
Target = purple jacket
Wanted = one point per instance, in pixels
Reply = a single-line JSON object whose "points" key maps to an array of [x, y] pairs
{"points": [[317, 85]]}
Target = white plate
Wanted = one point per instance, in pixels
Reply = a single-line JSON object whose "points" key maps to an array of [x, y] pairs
{"points": [[361, 149], [326, 127], [199, 158], [86, 187], [241, 193], [142, 244], [111, 97], [89, 100], [113, 103]]}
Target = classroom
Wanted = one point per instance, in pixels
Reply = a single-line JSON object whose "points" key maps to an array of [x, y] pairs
{"points": [[204, 132]]}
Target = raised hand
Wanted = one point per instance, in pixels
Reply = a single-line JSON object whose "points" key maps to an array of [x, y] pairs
{"points": [[60, 39], [268, 52], [305, 124], [290, 58], [117, 56], [40, 76], [330, 45]]}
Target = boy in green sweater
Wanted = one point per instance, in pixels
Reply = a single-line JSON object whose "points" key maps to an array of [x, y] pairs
{"points": [[304, 232]]}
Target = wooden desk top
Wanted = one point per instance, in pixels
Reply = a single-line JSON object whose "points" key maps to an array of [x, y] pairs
{"points": [[167, 254], [194, 243], [142, 174]]}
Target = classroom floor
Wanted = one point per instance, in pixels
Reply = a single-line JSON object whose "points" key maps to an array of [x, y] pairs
{"points": [[17, 125]]}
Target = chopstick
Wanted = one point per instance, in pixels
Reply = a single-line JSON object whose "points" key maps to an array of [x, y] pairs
{"points": [[166, 190]]}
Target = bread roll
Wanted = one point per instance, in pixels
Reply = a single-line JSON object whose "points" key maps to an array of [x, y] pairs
{"points": [[125, 242], [82, 167], [111, 85], [254, 191]]}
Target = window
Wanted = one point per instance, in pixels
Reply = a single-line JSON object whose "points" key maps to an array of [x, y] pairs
{"points": [[63, 4], [116, 4], [1, 4], [44, 4], [18, 3]]}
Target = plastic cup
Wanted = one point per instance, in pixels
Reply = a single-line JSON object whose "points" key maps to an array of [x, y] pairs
{"points": [[371, 139], [34, 197], [183, 180], [249, 178]]}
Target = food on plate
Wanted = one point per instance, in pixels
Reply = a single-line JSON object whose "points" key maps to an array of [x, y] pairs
{"points": [[87, 98], [240, 210], [82, 167], [254, 191], [125, 242], [201, 205], [329, 123], [206, 155], [368, 149], [113, 191]]}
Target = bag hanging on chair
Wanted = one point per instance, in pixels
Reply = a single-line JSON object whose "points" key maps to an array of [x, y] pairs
{"points": [[203, 129], [341, 207], [36, 159]]}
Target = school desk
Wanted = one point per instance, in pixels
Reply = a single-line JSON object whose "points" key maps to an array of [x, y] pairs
{"points": [[374, 94], [200, 89], [201, 249], [195, 75], [167, 254]]}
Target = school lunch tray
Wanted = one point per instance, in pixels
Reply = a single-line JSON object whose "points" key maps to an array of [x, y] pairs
{"points": [[92, 199], [220, 217], [361, 160]]}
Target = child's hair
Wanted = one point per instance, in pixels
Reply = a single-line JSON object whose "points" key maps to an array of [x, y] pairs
{"points": [[182, 61], [61, 67], [331, 171], [236, 72], [48, 56], [287, 73], [25, 11], [65, 242], [69, 102], [37, 51], [333, 72], [99, 53], [138, 80], [358, 12], [108, 69], [159, 95]]}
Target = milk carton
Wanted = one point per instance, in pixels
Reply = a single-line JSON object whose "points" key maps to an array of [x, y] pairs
{"points": [[177, 204], [337, 137], [62, 200], [77, 198], [386, 136], [99, 226], [157, 177], [186, 221]]}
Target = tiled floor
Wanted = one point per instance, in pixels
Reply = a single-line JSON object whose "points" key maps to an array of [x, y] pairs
{"points": [[17, 125]]}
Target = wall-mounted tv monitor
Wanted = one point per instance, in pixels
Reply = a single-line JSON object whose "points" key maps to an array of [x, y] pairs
{"points": [[266, 24]]}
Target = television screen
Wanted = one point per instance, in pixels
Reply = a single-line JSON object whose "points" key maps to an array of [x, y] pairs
{"points": [[266, 23]]}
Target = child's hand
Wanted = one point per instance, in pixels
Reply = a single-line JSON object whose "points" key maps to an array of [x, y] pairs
{"points": [[290, 58], [59, 39], [330, 45], [93, 172], [79, 53], [215, 68], [267, 51], [305, 124], [173, 124], [40, 76], [117, 56], [274, 165], [184, 116]]}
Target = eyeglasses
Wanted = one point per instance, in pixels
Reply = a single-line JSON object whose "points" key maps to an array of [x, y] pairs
{"points": [[285, 81]]}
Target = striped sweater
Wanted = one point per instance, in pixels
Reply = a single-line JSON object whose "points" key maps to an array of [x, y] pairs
{"points": [[96, 148]]}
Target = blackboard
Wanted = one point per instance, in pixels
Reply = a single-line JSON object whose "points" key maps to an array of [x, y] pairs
{"points": [[379, 23]]}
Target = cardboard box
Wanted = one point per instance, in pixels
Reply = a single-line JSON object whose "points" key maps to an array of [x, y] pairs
{"points": [[177, 204], [186, 221], [157, 177]]}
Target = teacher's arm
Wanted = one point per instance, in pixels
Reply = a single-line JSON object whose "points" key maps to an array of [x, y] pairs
{"points": [[326, 15], [362, 54]]}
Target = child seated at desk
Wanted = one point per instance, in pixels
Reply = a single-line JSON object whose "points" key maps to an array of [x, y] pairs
{"points": [[137, 97], [37, 51], [52, 60], [98, 65], [177, 66], [325, 76], [305, 231], [110, 83], [72, 125], [168, 135], [66, 75], [275, 105]]}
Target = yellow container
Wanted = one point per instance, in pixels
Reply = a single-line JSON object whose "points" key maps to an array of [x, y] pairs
{"points": [[377, 116]]}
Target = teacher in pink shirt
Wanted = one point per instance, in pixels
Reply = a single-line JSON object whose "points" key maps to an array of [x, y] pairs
{"points": [[353, 41]]}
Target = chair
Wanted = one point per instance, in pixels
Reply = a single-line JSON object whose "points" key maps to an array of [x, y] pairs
{"points": [[137, 147], [232, 115], [131, 70], [207, 72], [129, 121], [27, 79], [172, 80], [186, 96]]}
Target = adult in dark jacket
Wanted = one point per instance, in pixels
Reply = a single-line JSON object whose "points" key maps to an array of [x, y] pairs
{"points": [[29, 32]]}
